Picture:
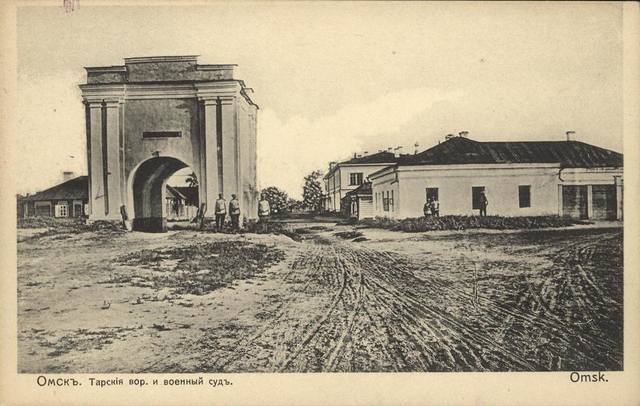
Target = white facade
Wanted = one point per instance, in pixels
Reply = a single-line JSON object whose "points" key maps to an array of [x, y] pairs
{"points": [[404, 188], [344, 178]]}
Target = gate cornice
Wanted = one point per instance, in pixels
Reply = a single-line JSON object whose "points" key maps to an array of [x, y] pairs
{"points": [[103, 93], [213, 90]]}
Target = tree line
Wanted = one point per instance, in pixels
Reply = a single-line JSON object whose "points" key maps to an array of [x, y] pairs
{"points": [[280, 201]]}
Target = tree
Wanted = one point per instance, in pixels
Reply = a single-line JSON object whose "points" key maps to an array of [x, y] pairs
{"points": [[277, 199], [312, 191], [192, 181], [295, 205]]}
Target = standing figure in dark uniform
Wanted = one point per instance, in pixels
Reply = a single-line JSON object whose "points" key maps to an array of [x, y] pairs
{"points": [[221, 212], [483, 204], [234, 211]]}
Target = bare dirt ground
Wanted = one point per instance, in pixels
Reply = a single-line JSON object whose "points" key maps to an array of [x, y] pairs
{"points": [[365, 300]]}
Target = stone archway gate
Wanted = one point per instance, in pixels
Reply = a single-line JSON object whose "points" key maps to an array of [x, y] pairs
{"points": [[171, 107]]}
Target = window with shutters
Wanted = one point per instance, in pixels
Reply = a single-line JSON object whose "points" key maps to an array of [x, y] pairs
{"points": [[62, 210]]}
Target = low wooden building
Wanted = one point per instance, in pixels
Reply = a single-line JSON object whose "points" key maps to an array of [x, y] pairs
{"points": [[182, 202], [70, 199], [67, 199]]}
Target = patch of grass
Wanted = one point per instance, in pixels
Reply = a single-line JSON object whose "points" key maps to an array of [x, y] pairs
{"points": [[82, 340], [202, 268], [317, 228], [348, 221], [420, 224], [50, 222], [302, 230], [62, 227], [348, 235], [271, 227]]}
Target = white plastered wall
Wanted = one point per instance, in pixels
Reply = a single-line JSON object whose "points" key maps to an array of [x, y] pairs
{"points": [[501, 182]]}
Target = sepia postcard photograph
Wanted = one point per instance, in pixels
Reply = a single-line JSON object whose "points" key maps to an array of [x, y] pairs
{"points": [[212, 194]]}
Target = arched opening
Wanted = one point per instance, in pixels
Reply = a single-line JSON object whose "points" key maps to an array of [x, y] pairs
{"points": [[182, 198], [152, 199]]}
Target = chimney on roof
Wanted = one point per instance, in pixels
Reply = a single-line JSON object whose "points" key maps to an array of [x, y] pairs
{"points": [[67, 175], [365, 153], [415, 148], [464, 134], [332, 165], [389, 149], [571, 135], [355, 154], [397, 151], [448, 137], [358, 155]]}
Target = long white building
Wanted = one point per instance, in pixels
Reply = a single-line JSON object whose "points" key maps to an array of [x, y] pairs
{"points": [[567, 178]]}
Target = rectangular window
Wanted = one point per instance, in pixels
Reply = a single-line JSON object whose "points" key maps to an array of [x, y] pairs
{"points": [[62, 210], [432, 193], [476, 192], [43, 209], [355, 179], [385, 201], [77, 208], [391, 201], [524, 195]]}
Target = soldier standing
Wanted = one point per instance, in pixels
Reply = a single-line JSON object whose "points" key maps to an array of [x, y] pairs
{"points": [[234, 211], [427, 209], [264, 210], [221, 212]]}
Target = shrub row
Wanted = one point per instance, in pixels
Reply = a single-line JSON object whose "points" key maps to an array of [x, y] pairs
{"points": [[58, 225], [420, 224]]}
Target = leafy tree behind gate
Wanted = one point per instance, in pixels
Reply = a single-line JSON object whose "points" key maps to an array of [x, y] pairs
{"points": [[278, 199], [191, 180]]}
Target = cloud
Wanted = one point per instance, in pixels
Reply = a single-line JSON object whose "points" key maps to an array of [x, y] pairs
{"points": [[289, 148]]}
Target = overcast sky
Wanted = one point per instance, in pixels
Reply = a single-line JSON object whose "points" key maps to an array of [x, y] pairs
{"points": [[332, 79]]}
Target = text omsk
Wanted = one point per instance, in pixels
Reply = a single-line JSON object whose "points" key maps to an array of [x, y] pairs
{"points": [[576, 377]]}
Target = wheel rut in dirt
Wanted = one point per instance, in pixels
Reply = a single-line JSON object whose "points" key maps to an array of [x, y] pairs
{"points": [[378, 310]]}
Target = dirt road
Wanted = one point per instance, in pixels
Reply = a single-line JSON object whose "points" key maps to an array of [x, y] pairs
{"points": [[548, 300]]}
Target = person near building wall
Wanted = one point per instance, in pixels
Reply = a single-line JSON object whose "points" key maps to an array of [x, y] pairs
{"points": [[264, 211], [427, 209], [484, 202], [234, 211], [220, 212]]}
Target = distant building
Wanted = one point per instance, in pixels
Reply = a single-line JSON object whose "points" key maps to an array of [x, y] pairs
{"points": [[182, 202], [67, 199], [567, 178], [70, 199], [348, 175]]}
